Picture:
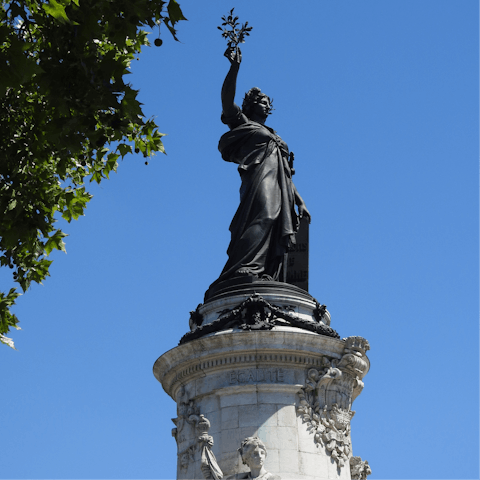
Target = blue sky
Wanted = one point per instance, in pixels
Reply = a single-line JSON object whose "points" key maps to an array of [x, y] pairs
{"points": [[379, 101]]}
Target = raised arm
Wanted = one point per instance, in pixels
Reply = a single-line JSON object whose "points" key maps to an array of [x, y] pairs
{"points": [[230, 84]]}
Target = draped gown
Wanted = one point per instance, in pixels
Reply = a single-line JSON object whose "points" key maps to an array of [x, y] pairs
{"points": [[264, 226]]}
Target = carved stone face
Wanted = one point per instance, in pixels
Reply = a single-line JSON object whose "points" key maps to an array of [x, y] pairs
{"points": [[255, 457]]}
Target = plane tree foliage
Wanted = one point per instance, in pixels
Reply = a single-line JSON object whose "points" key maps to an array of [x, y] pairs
{"points": [[67, 116]]}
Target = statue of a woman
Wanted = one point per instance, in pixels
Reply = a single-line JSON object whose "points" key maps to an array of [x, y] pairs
{"points": [[263, 228]]}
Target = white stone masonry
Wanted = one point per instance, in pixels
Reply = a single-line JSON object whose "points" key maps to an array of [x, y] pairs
{"points": [[291, 388]]}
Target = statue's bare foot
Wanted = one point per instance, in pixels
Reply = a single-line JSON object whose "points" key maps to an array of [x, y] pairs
{"points": [[267, 278]]}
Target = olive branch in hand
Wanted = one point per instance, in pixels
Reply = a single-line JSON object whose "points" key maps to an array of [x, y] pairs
{"points": [[235, 35]]}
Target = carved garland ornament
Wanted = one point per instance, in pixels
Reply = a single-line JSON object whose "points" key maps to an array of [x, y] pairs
{"points": [[255, 313], [327, 397]]}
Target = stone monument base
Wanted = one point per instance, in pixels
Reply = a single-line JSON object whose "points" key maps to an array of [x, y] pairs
{"points": [[290, 387]]}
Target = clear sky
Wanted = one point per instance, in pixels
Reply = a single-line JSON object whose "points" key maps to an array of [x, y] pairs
{"points": [[379, 101]]}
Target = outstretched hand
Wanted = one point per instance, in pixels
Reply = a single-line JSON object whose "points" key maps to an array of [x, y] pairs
{"points": [[234, 55]]}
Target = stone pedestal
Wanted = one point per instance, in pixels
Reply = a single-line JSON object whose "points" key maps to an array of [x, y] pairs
{"points": [[262, 377]]}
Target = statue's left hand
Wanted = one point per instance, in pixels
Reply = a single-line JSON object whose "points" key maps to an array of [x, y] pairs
{"points": [[303, 212]]}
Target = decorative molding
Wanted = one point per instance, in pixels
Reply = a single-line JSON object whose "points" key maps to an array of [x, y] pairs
{"points": [[264, 388], [215, 355], [246, 359], [255, 313], [327, 397], [359, 469]]}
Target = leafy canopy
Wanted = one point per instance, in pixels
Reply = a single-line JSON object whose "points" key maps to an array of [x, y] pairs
{"points": [[63, 101]]}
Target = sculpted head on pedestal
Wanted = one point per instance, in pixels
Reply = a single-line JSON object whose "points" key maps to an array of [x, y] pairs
{"points": [[254, 452]]}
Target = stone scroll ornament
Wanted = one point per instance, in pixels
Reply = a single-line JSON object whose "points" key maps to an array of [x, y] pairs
{"points": [[327, 397]]}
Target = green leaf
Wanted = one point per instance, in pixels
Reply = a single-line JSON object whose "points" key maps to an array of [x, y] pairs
{"points": [[56, 242], [160, 147], [111, 163], [56, 10], [7, 319], [9, 299], [130, 105], [124, 149], [96, 177], [12, 204], [172, 31], [174, 12]]}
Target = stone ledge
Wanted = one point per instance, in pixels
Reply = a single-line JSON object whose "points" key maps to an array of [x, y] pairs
{"points": [[219, 353]]}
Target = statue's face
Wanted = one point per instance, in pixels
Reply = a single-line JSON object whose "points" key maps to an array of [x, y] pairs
{"points": [[262, 107], [256, 457]]}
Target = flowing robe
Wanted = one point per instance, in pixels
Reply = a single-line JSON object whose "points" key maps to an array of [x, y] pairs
{"points": [[264, 226]]}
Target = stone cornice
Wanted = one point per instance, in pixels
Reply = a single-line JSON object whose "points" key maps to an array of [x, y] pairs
{"points": [[223, 351]]}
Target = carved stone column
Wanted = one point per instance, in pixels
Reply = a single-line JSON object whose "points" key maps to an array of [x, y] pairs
{"points": [[262, 377]]}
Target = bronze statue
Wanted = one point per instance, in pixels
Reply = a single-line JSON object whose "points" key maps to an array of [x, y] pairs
{"points": [[263, 228]]}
